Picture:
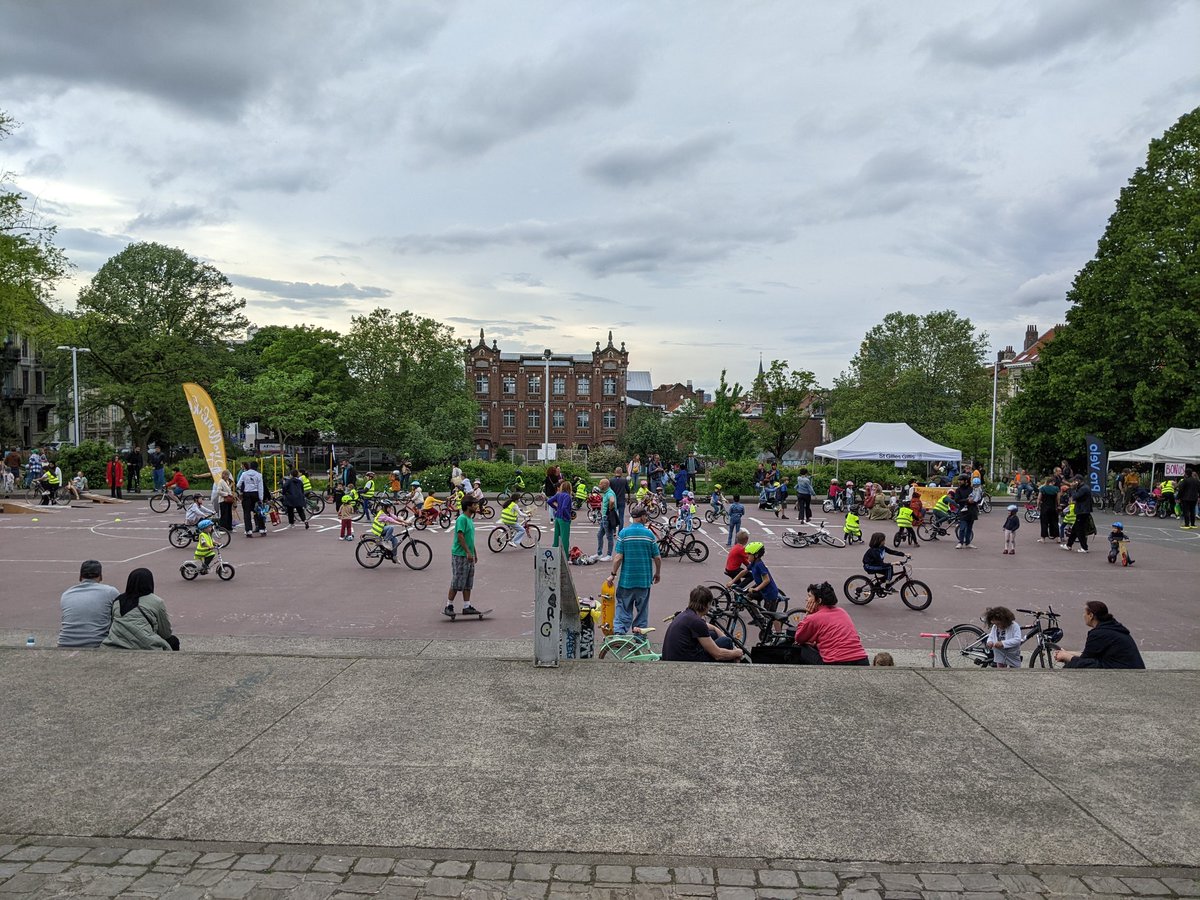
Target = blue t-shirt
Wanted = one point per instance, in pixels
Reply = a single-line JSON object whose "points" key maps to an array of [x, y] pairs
{"points": [[759, 571]]}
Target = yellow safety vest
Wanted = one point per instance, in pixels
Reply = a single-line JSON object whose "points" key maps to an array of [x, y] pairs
{"points": [[53, 479], [581, 491], [377, 524], [307, 484], [943, 504], [204, 544], [904, 517], [1069, 515], [851, 526], [508, 515], [1167, 487]]}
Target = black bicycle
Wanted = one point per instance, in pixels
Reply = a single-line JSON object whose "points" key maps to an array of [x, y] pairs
{"points": [[930, 530], [862, 589], [679, 543], [735, 611], [372, 551], [182, 535], [967, 643]]}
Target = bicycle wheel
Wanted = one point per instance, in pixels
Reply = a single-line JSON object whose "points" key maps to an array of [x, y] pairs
{"points": [[498, 539], [827, 506], [832, 541], [416, 554], [1038, 660], [916, 594], [314, 503], [926, 532], [221, 537], [593, 515], [539, 500], [697, 550], [986, 503], [179, 536], [527, 499], [225, 571], [791, 539], [733, 626], [710, 516], [1131, 509], [419, 523], [368, 553], [189, 571], [965, 647], [533, 536], [444, 520], [1029, 516], [486, 511], [859, 590], [160, 503], [63, 497]]}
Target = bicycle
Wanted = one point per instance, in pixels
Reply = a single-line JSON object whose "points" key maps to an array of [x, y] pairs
{"points": [[372, 551], [314, 503], [862, 589], [500, 537], [163, 499], [1033, 512], [774, 627], [182, 535], [427, 517], [191, 570], [715, 514], [793, 538], [1142, 507], [930, 530], [38, 489], [631, 647], [680, 543], [967, 643], [524, 497]]}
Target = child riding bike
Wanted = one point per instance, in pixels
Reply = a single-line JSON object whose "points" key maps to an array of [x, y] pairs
{"points": [[514, 519], [205, 548], [852, 529], [873, 559]]}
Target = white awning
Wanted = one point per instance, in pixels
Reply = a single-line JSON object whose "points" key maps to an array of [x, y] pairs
{"points": [[1174, 445], [893, 441]]}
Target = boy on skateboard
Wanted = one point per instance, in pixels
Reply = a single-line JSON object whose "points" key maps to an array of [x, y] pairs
{"points": [[462, 559]]}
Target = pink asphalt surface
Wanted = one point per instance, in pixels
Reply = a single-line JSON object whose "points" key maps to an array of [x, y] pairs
{"points": [[296, 582]]}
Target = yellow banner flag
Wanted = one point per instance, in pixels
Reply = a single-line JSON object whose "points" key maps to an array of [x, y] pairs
{"points": [[208, 427]]}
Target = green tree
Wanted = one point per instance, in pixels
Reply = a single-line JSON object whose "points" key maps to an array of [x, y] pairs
{"points": [[285, 403], [685, 424], [294, 349], [647, 432], [410, 385], [153, 318], [1125, 366], [786, 397], [923, 370], [724, 432]]}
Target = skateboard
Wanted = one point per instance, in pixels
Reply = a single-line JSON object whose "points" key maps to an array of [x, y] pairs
{"points": [[478, 613]]}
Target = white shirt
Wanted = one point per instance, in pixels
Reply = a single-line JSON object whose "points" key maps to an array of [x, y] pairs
{"points": [[250, 482]]}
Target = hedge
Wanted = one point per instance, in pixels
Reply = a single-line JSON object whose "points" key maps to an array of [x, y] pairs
{"points": [[738, 477]]}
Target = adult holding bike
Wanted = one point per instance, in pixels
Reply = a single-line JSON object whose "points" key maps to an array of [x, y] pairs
{"points": [[826, 636]]}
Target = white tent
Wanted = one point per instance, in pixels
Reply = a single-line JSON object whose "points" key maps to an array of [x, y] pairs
{"points": [[887, 440], [1180, 445]]}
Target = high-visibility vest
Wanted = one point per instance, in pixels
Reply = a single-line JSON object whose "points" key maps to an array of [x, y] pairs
{"points": [[581, 491], [1167, 487], [377, 524], [508, 515], [904, 517], [851, 526], [52, 478], [1069, 515], [351, 496], [204, 544], [369, 487], [307, 484], [943, 504]]}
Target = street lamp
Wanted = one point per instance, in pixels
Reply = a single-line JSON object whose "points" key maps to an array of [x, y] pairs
{"points": [[992, 452], [546, 354], [75, 351]]}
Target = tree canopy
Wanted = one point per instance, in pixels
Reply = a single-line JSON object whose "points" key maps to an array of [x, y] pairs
{"points": [[1126, 364], [724, 432], [786, 398], [648, 431], [925, 370]]}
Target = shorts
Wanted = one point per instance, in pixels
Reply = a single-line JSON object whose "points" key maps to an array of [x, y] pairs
{"points": [[462, 573]]}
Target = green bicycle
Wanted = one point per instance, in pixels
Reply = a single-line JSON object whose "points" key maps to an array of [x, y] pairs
{"points": [[632, 647]]}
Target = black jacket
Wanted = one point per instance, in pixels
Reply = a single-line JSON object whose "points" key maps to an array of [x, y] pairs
{"points": [[1188, 490], [1109, 646], [293, 492], [1083, 500]]}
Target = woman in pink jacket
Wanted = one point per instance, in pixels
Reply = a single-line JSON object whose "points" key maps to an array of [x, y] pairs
{"points": [[826, 636]]}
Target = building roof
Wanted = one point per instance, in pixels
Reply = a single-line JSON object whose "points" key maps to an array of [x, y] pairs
{"points": [[638, 381], [1027, 358], [537, 358]]}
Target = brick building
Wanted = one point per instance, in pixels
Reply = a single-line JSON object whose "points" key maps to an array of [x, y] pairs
{"points": [[586, 398], [26, 402]]}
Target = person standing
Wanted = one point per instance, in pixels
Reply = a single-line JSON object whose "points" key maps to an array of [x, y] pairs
{"points": [[114, 475], [250, 486], [691, 465], [34, 467], [86, 608], [654, 470], [620, 488], [158, 468], [804, 495], [405, 474], [1081, 495], [133, 469], [13, 461], [608, 520], [463, 559], [1187, 493], [1048, 509], [635, 469], [681, 482], [561, 505], [293, 498], [638, 562], [224, 496]]}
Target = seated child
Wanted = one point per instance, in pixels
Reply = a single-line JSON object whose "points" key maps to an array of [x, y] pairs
{"points": [[1118, 545], [205, 548]]}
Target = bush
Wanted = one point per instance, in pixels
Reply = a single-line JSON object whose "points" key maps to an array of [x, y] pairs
{"points": [[605, 460], [91, 457], [496, 476]]}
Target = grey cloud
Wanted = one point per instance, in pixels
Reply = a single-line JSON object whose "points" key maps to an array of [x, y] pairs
{"points": [[499, 103], [180, 215], [1051, 30], [88, 240], [647, 161], [314, 292], [49, 164], [1049, 287], [210, 58], [887, 183], [526, 279]]}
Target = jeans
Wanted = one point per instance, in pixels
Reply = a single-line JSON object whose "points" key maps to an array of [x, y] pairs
{"points": [[160, 479], [633, 609], [600, 534], [885, 570], [966, 532], [132, 477], [804, 514], [621, 512], [734, 526]]}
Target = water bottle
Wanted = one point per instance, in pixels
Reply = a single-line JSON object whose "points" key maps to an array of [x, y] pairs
{"points": [[31, 642]]}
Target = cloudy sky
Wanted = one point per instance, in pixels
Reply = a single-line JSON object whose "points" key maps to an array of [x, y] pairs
{"points": [[710, 180]]}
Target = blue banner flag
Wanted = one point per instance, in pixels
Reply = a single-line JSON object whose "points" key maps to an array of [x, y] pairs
{"points": [[1097, 463]]}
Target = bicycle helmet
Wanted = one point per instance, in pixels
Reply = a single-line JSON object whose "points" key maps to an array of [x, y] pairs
{"points": [[1012, 507], [716, 487], [754, 547], [1118, 525], [204, 523], [416, 483], [833, 481], [975, 481], [516, 471]]}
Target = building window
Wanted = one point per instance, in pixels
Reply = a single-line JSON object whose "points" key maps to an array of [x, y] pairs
{"points": [[610, 386], [535, 385], [483, 418], [510, 384], [583, 419], [559, 418], [510, 418], [533, 418], [39, 382], [585, 386], [481, 384], [610, 420], [560, 385]]}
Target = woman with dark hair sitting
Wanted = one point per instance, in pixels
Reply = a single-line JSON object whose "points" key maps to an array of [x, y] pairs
{"points": [[826, 636], [691, 638], [1109, 644], [139, 617]]}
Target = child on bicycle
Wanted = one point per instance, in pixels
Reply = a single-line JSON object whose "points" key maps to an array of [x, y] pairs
{"points": [[1004, 637], [904, 526], [514, 520], [431, 508], [1118, 543], [205, 546], [687, 513], [736, 511], [873, 559], [761, 586], [197, 512], [834, 494], [643, 491], [1011, 524], [383, 526], [716, 500], [178, 483], [852, 529]]}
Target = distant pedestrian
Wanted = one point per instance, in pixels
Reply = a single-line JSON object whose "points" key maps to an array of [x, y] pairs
{"points": [[561, 505], [224, 496], [691, 465], [294, 500], [620, 488], [1048, 509], [133, 469], [681, 482], [1011, 524], [250, 486], [158, 468], [1187, 494], [609, 523], [1083, 526], [114, 476], [735, 513]]}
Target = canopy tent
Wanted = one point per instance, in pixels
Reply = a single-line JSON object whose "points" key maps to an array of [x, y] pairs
{"points": [[887, 440], [1175, 445]]}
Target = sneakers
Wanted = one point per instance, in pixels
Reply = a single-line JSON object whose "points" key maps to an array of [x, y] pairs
{"points": [[306, 526], [972, 547], [449, 610], [1063, 547], [958, 546], [1080, 550], [1041, 540], [606, 558], [1006, 553], [470, 611]]}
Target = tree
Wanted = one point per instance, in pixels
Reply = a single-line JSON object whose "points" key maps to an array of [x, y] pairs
{"points": [[410, 388], [924, 370], [153, 318], [293, 349], [1125, 366], [724, 432], [285, 403], [685, 423], [647, 432], [786, 398]]}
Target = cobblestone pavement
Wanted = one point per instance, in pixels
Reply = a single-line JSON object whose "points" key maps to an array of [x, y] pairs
{"points": [[32, 868]]}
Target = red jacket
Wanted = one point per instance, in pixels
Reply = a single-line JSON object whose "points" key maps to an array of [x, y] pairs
{"points": [[115, 474]]}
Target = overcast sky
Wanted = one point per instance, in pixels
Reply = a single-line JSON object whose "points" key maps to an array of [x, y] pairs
{"points": [[711, 181]]}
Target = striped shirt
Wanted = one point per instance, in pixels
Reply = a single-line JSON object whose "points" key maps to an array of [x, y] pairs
{"points": [[637, 547]]}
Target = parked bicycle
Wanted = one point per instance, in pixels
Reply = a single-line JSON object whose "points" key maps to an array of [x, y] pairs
{"points": [[966, 644], [679, 543], [632, 647], [181, 535], [1033, 512], [793, 538], [735, 611], [1146, 507], [862, 589], [372, 551], [314, 503]]}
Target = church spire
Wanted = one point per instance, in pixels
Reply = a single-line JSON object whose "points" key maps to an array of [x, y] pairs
{"points": [[760, 368]]}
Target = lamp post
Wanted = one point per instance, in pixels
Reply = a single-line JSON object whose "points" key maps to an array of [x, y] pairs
{"points": [[546, 354], [992, 452], [75, 351]]}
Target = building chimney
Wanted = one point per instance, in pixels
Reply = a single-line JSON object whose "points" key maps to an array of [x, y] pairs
{"points": [[1031, 336], [689, 384]]}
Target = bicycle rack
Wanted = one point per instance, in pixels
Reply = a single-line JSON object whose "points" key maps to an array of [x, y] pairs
{"points": [[933, 639]]}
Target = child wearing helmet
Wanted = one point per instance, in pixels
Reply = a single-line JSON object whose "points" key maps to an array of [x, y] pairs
{"points": [[781, 499], [716, 500], [197, 511], [852, 529], [762, 586], [1011, 524], [1118, 545], [205, 547]]}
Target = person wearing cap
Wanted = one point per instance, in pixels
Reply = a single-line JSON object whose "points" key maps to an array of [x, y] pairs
{"points": [[637, 559], [86, 608]]}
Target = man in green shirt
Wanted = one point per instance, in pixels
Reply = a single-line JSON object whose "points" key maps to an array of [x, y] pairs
{"points": [[462, 558]]}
